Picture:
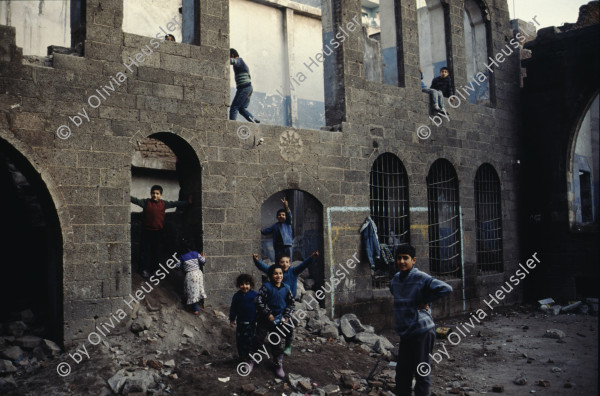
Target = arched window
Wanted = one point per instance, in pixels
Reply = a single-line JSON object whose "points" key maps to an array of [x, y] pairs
{"points": [[444, 220], [389, 208], [488, 218], [584, 200], [476, 23]]}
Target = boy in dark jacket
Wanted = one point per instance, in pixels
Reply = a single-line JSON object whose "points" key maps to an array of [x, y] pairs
{"points": [[243, 310], [441, 86], [153, 221], [282, 232], [413, 291]]}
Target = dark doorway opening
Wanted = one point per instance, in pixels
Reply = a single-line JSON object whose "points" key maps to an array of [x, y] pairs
{"points": [[307, 228], [31, 245], [167, 160]]}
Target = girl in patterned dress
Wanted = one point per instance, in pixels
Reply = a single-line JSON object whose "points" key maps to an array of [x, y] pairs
{"points": [[192, 263]]}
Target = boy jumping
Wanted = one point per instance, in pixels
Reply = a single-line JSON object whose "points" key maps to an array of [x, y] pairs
{"points": [[413, 291]]}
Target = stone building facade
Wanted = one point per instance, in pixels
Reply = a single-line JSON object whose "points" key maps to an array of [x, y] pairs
{"points": [[126, 88], [562, 208]]}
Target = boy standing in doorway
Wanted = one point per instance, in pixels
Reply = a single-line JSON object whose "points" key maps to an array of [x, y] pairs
{"points": [[153, 221]]}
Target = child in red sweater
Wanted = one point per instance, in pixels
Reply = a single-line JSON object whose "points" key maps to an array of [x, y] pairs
{"points": [[153, 221]]}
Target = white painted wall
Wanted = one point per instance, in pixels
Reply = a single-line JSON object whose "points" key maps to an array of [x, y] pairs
{"points": [[145, 17], [308, 41], [256, 32], [432, 38], [38, 24]]}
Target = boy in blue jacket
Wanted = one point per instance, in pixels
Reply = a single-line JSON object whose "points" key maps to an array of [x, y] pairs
{"points": [[413, 291], [274, 307], [290, 278], [282, 232]]}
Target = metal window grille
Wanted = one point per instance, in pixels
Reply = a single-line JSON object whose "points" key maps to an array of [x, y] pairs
{"points": [[389, 210], [488, 218], [444, 220]]}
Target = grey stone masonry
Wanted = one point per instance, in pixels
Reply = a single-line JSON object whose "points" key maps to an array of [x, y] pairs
{"points": [[125, 89]]}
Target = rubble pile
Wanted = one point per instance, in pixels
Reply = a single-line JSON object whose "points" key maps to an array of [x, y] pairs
{"points": [[21, 350], [550, 307]]}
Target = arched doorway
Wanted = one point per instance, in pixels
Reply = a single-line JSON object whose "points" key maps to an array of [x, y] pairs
{"points": [[31, 245], [307, 228], [167, 160]]}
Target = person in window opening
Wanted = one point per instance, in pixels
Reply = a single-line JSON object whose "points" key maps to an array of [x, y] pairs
{"points": [[244, 88], [170, 37], [440, 86]]}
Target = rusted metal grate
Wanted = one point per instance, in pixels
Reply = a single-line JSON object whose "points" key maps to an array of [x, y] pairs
{"points": [[488, 218], [444, 220], [389, 209]]}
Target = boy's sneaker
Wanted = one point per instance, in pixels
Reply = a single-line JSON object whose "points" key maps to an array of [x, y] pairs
{"points": [[436, 107], [288, 351], [250, 366]]}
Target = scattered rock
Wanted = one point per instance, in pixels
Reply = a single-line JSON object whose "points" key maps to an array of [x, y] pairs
{"points": [[368, 338], [154, 364], [304, 385], [6, 367], [350, 326], [137, 327], [126, 383], [331, 390], [187, 333], [554, 333], [295, 380], [556, 369], [543, 383], [569, 385], [260, 392], [521, 380], [169, 363], [51, 348], [350, 381], [330, 331], [28, 341], [248, 388], [13, 353]]}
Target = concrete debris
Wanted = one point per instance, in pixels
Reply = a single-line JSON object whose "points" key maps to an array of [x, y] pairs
{"points": [[28, 342], [6, 367], [50, 348], [13, 353], [520, 380], [554, 333]]}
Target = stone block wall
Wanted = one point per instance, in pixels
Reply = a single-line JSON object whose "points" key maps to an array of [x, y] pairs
{"points": [[181, 92]]}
